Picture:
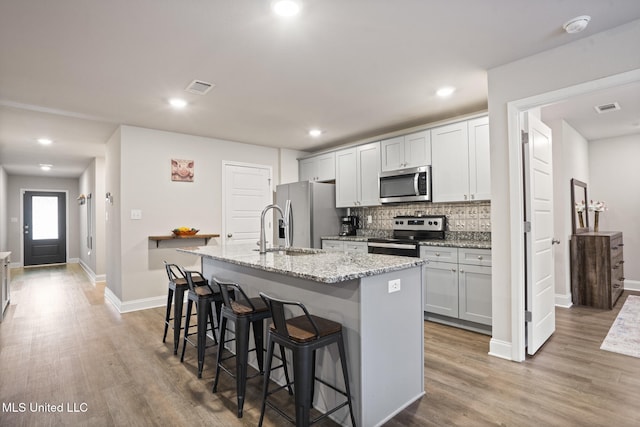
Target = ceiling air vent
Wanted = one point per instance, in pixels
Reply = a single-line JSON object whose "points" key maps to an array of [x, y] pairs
{"points": [[199, 87], [605, 108]]}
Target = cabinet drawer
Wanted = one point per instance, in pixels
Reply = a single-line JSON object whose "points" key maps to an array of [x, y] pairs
{"points": [[356, 247], [471, 256], [333, 245], [439, 253]]}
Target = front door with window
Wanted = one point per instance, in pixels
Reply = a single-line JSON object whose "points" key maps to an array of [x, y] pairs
{"points": [[44, 223]]}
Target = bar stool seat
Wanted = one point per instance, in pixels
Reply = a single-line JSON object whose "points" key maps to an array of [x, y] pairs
{"points": [[303, 335], [203, 296], [177, 286], [244, 312]]}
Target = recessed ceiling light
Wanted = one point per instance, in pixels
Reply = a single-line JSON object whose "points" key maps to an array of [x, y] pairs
{"points": [[45, 167], [286, 7], [443, 92], [315, 132], [576, 24], [44, 141], [178, 103]]}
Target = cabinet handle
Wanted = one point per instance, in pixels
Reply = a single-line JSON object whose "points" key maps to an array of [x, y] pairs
{"points": [[461, 271], [453, 270], [437, 253], [473, 196], [229, 235], [480, 257], [465, 197]]}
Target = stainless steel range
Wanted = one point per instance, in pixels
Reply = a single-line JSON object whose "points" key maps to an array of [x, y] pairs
{"points": [[408, 232]]}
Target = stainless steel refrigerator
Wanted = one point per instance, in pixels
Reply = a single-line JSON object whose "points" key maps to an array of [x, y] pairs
{"points": [[313, 212]]}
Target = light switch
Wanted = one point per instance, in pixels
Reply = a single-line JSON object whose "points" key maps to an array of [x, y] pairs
{"points": [[136, 214]]}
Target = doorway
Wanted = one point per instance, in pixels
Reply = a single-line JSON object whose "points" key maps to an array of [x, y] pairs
{"points": [[44, 227], [517, 199]]}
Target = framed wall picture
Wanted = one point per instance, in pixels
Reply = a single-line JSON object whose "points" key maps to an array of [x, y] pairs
{"points": [[182, 170]]}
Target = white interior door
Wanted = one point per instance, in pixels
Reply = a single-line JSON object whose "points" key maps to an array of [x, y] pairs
{"points": [[247, 190], [540, 289]]}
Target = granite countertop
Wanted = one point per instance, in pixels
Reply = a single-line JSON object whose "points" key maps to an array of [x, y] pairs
{"points": [[455, 243], [312, 264]]}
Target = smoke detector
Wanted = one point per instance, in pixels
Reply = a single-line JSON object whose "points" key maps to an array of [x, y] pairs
{"points": [[199, 87], [605, 108], [577, 24]]}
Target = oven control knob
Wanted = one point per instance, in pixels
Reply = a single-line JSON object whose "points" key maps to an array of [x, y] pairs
{"points": [[435, 222], [430, 222]]}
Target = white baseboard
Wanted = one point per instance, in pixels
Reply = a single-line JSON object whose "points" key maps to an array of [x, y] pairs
{"points": [[501, 349], [632, 285], [135, 305], [93, 277], [563, 300]]}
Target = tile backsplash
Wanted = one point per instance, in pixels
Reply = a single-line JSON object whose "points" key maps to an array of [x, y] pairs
{"points": [[468, 220]]}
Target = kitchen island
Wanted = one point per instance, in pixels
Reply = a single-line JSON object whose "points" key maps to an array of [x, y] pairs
{"points": [[377, 299]]}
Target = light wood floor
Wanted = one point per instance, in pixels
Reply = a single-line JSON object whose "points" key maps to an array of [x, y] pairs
{"points": [[61, 343]]}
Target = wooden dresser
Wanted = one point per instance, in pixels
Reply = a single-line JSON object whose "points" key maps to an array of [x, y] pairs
{"points": [[597, 268]]}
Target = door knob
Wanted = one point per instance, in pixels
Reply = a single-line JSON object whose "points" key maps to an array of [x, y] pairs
{"points": [[229, 235], [555, 241]]}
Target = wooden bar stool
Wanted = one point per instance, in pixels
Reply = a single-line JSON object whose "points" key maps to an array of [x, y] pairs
{"points": [[244, 312], [203, 296], [177, 285], [303, 335]]}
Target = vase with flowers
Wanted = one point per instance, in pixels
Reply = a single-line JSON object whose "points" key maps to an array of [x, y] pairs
{"points": [[596, 208], [580, 207]]}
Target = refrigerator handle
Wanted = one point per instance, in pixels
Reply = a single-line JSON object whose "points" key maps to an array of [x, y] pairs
{"points": [[288, 225]]}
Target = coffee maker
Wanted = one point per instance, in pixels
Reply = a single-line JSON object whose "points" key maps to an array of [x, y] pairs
{"points": [[348, 225]]}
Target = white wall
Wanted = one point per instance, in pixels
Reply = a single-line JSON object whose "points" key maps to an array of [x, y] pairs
{"points": [[570, 160], [92, 183], [3, 209], [289, 165], [614, 178], [601, 55], [112, 215], [145, 184]]}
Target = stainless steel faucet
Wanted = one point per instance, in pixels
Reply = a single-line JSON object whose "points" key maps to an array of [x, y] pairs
{"points": [[285, 222]]}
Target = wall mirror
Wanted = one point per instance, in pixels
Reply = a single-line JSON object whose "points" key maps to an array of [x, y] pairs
{"points": [[579, 207]]}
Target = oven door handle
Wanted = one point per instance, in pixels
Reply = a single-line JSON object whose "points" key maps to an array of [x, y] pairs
{"points": [[392, 245]]}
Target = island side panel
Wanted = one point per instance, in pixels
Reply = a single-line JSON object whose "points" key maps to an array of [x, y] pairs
{"points": [[339, 302], [392, 344]]}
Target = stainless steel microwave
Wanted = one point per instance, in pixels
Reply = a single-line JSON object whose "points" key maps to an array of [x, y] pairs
{"points": [[406, 185]]}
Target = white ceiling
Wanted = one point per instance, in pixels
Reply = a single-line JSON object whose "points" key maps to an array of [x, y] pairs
{"points": [[73, 70]]}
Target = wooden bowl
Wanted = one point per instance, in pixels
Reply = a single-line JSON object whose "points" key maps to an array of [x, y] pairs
{"points": [[191, 232]]}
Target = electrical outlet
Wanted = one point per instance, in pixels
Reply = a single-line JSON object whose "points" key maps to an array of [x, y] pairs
{"points": [[394, 285], [369, 219]]}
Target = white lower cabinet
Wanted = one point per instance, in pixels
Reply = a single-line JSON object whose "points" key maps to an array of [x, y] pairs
{"points": [[457, 283], [345, 246]]}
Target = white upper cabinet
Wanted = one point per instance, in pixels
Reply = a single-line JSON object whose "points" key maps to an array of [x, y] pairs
{"points": [[479, 159], [357, 171], [346, 185], [318, 168], [460, 161], [406, 151]]}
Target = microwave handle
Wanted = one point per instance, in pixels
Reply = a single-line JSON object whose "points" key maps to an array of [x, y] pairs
{"points": [[415, 184]]}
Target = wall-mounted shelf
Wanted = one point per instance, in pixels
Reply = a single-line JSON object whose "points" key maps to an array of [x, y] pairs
{"points": [[205, 237]]}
